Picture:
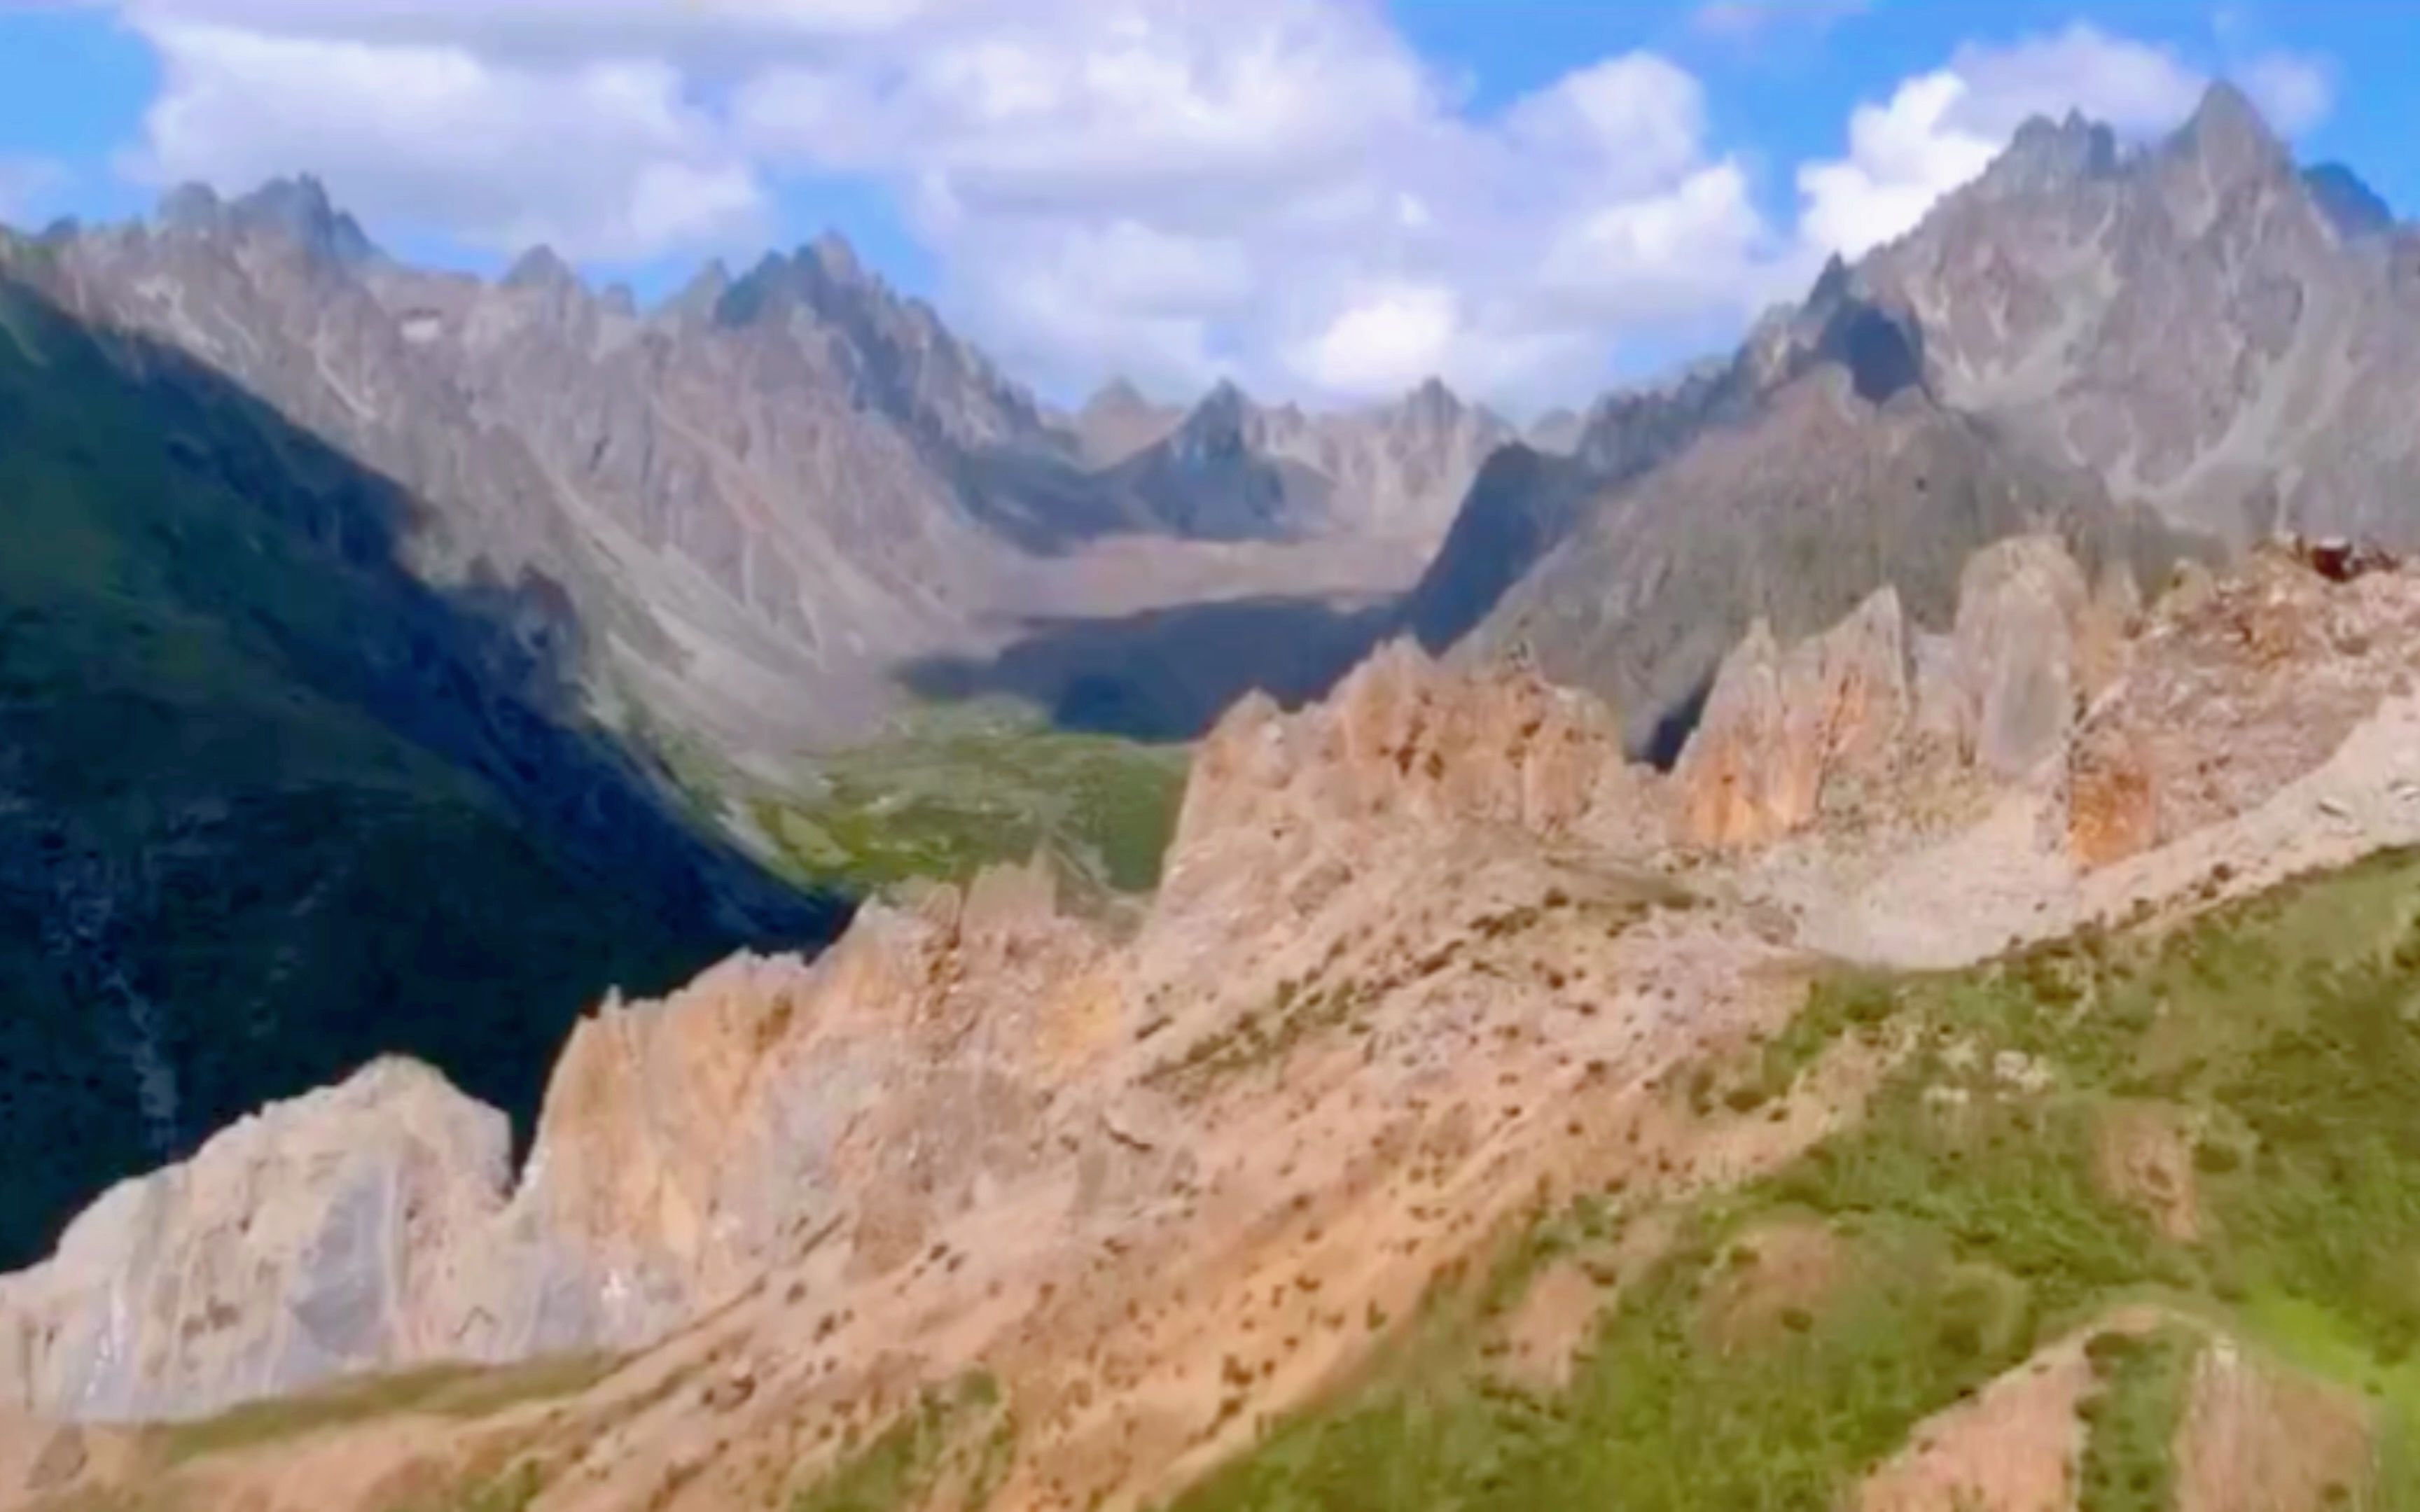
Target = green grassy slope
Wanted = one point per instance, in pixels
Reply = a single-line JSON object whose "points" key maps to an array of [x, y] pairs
{"points": [[250, 832], [956, 790], [1973, 1217]]}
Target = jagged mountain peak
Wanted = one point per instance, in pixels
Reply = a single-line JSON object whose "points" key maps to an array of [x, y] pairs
{"points": [[1222, 413], [1216, 422], [827, 278], [2046, 156], [189, 207], [894, 353], [1225, 394], [1118, 395], [1432, 403], [297, 209], [2227, 134], [833, 257], [703, 294], [1118, 420], [540, 268]]}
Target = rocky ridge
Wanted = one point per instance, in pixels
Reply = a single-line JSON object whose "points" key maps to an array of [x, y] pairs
{"points": [[1423, 954], [1231, 469], [2193, 323], [2157, 352], [769, 498]]}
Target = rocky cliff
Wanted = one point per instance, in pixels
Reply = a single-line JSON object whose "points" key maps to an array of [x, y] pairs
{"points": [[1403, 934]]}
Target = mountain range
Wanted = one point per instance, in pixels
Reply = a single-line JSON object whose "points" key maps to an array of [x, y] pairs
{"points": [[398, 661], [770, 494], [776, 497], [2162, 351], [1976, 1076], [326, 576]]}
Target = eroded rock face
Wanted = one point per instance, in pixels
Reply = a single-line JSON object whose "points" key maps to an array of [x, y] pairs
{"points": [[1437, 840], [1871, 705], [2237, 687], [1779, 727], [778, 1113], [1406, 740], [2015, 684], [2144, 725], [686, 1147], [319, 1237]]}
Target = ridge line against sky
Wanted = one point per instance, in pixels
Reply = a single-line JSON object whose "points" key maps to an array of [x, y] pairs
{"points": [[1326, 199]]}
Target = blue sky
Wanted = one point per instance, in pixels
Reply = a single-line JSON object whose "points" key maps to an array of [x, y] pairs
{"points": [[1323, 197]]}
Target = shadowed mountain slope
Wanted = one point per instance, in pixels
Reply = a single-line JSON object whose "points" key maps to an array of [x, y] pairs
{"points": [[269, 805]]}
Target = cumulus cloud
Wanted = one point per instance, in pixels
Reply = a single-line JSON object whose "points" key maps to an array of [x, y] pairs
{"points": [[1902, 155], [1939, 129], [602, 159], [1364, 231], [2294, 90], [690, 34], [1278, 191]]}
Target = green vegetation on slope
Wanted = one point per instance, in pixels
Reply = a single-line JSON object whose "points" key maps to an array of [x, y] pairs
{"points": [[442, 1391], [956, 791], [240, 851], [954, 1444], [2217, 1120], [2129, 1464]]}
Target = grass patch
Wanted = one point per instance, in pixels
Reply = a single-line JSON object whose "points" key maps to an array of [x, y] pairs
{"points": [[960, 1435], [462, 1392], [1973, 1213], [2131, 1423], [957, 791]]}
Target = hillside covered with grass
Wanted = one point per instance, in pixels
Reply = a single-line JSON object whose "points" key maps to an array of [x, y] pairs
{"points": [[954, 790], [2209, 1127]]}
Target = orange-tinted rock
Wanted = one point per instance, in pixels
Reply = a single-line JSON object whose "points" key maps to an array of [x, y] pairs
{"points": [[1779, 728], [2236, 687], [1406, 741], [2113, 799]]}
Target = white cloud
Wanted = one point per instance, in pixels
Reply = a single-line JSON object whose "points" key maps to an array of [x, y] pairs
{"points": [[2137, 88], [1281, 191], [26, 184], [602, 159], [1629, 122], [1066, 108], [1386, 339], [687, 33], [1365, 231], [2294, 90], [1902, 155]]}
